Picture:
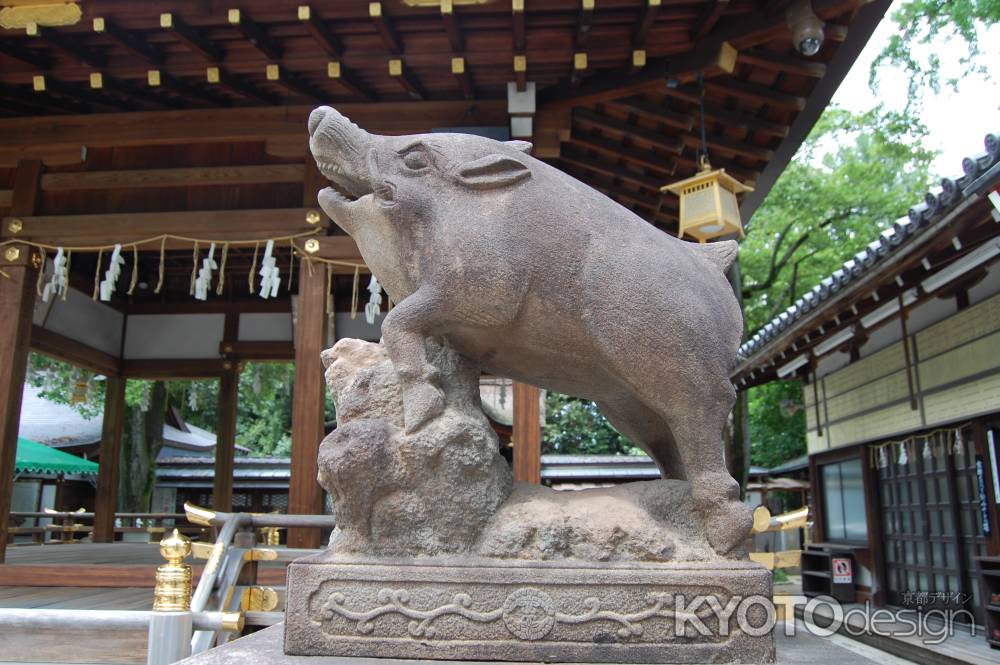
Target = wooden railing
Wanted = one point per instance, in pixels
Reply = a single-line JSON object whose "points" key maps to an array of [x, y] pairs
{"points": [[226, 600], [66, 525]]}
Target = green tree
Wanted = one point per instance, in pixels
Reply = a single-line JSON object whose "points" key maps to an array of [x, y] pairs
{"points": [[575, 426], [922, 23], [853, 176]]}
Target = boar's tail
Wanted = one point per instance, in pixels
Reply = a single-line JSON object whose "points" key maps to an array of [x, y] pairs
{"points": [[721, 254]]}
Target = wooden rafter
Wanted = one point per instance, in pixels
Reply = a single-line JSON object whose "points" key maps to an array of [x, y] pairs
{"points": [[237, 85], [646, 21], [709, 16], [462, 77], [756, 123], [191, 37], [609, 168], [662, 141], [68, 45], [407, 81], [584, 21], [254, 33], [757, 93], [657, 112], [517, 25], [293, 83], [30, 57], [646, 158], [159, 78], [384, 28], [451, 27], [319, 31], [336, 72], [177, 177], [148, 52], [783, 63]]}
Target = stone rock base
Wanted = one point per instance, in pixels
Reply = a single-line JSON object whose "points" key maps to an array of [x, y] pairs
{"points": [[484, 609]]}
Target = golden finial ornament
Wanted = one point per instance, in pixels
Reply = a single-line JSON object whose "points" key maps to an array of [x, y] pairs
{"points": [[173, 579]]}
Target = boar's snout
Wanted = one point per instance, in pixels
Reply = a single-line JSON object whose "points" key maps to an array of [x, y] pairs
{"points": [[316, 117]]}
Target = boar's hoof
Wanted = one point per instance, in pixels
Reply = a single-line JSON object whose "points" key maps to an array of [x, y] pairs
{"points": [[727, 526], [421, 403]]}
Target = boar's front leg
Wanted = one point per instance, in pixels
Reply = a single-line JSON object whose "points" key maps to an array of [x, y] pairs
{"points": [[404, 331]]}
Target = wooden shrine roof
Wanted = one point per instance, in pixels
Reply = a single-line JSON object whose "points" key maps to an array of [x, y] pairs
{"points": [[615, 79]]}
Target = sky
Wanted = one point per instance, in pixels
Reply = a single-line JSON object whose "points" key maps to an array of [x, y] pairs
{"points": [[957, 121]]}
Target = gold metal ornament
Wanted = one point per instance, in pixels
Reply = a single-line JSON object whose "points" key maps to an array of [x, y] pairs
{"points": [[12, 254], [313, 217], [312, 245], [259, 599], [232, 622], [173, 579], [18, 14], [198, 515], [15, 226]]}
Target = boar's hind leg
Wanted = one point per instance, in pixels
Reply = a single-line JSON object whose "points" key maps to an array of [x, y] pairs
{"points": [[696, 409], [646, 429], [405, 331]]}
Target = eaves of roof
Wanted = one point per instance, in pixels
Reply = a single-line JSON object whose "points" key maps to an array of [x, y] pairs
{"points": [[941, 204]]}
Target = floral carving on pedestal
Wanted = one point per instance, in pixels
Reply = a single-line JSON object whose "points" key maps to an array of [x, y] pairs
{"points": [[528, 613]]}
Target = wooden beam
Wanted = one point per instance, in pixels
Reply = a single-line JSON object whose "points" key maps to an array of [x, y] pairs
{"points": [[583, 22], [579, 67], [68, 45], [174, 368], [225, 439], [757, 124], [157, 78], [68, 350], [16, 51], [730, 146], [616, 150], [407, 81], [462, 77], [33, 136], [102, 81], [783, 63], [709, 16], [451, 26], [257, 351], [609, 168], [657, 205], [254, 33], [384, 29], [182, 177], [712, 59], [97, 229], [191, 37], [755, 92], [668, 143], [517, 25], [17, 299], [646, 21], [237, 85], [47, 84], [527, 436], [293, 83], [521, 72], [106, 500], [148, 52], [305, 496], [319, 31], [657, 112], [335, 72], [5, 197]]}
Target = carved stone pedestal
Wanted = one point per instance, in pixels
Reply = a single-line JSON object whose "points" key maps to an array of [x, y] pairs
{"points": [[482, 609]]}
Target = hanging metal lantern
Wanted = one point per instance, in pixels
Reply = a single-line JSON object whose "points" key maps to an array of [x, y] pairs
{"points": [[708, 199], [708, 203]]}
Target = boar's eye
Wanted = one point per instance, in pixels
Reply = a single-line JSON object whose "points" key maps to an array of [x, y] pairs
{"points": [[416, 160]]}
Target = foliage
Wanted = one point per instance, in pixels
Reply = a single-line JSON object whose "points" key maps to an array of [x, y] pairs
{"points": [[264, 404], [576, 427], [853, 176], [777, 423], [919, 24]]}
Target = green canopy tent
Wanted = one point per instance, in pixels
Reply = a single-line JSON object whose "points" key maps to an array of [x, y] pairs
{"points": [[37, 458]]}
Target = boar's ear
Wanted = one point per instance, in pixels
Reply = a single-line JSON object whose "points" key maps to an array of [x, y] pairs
{"points": [[523, 146], [491, 172]]}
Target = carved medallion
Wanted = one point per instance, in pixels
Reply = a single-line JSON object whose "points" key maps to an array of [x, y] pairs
{"points": [[529, 613]]}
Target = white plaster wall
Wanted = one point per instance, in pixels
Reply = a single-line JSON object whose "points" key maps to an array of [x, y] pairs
{"points": [[358, 328], [268, 327], [151, 336], [83, 320]]}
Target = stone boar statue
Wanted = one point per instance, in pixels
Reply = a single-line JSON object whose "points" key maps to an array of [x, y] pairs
{"points": [[537, 277]]}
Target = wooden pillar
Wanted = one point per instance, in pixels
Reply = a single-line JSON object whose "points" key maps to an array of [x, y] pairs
{"points": [[527, 434], [305, 496], [17, 300], [225, 438], [110, 451]]}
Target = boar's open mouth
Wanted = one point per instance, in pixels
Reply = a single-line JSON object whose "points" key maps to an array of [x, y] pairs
{"points": [[344, 185]]}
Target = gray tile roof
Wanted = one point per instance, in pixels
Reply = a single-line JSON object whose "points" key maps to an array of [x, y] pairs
{"points": [[979, 170], [55, 424]]}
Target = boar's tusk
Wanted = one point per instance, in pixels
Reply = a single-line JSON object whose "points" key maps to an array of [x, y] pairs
{"points": [[492, 171]]}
